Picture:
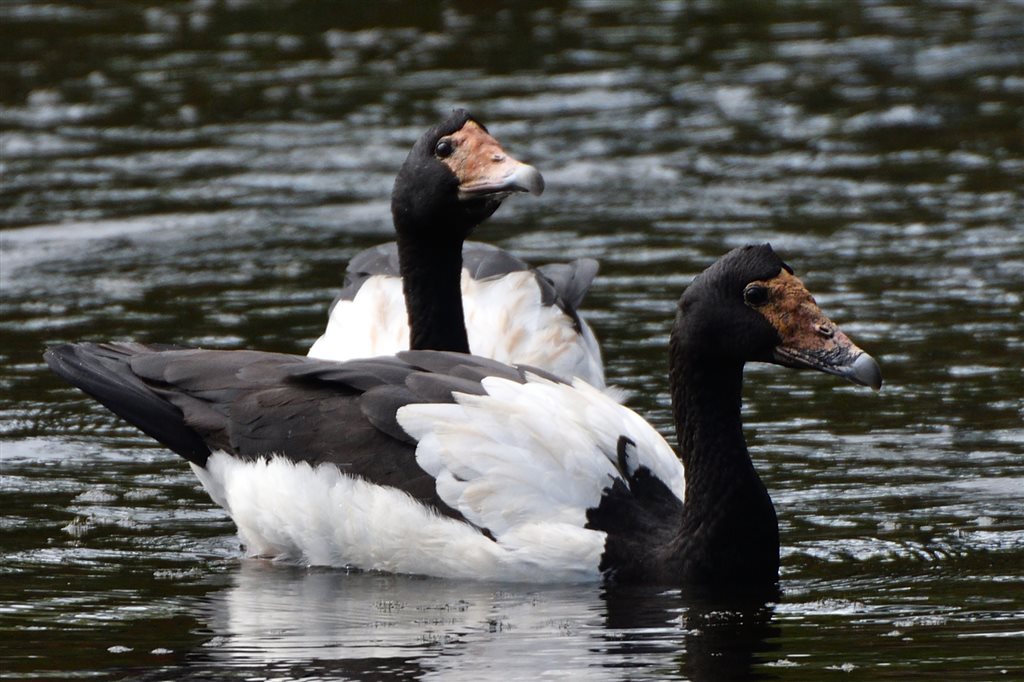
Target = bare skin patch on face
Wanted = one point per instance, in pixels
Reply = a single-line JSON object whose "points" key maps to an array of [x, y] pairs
{"points": [[478, 161], [807, 338], [801, 325]]}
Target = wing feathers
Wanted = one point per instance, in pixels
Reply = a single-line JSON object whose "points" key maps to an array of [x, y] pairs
{"points": [[539, 451], [516, 453], [102, 371], [571, 280], [380, 405], [433, 388]]}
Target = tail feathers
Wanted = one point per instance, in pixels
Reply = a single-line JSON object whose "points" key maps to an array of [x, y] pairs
{"points": [[104, 372], [571, 280]]}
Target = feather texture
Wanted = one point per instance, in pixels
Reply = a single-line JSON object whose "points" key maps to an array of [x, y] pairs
{"points": [[531, 452], [451, 465], [428, 462], [513, 314], [321, 516]]}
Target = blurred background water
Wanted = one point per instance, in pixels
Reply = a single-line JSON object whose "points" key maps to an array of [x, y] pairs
{"points": [[200, 171]]}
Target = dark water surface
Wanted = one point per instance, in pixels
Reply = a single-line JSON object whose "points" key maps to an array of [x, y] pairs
{"points": [[199, 172]]}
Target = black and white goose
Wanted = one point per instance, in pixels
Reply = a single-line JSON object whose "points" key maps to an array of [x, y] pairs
{"points": [[458, 466], [455, 176]]}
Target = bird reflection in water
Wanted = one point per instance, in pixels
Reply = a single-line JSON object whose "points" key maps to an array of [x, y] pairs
{"points": [[284, 619]]}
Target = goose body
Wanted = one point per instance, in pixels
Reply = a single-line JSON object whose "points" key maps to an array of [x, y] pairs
{"points": [[452, 465], [513, 313], [430, 290]]}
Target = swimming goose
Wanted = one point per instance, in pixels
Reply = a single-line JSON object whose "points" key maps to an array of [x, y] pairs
{"points": [[457, 466], [455, 176]]}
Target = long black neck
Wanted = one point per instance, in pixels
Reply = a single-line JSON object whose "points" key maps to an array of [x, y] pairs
{"points": [[431, 279], [728, 532]]}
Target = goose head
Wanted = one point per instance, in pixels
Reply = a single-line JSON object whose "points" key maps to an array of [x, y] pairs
{"points": [[455, 177], [749, 306]]}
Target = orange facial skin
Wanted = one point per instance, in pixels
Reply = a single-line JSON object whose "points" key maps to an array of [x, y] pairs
{"points": [[483, 167], [808, 337]]}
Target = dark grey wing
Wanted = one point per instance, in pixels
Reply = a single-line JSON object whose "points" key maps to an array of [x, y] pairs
{"points": [[103, 372], [473, 368], [571, 281], [485, 261], [193, 401], [564, 283], [482, 261], [255, 405], [376, 260]]}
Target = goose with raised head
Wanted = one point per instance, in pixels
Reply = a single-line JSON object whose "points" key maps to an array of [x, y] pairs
{"points": [[429, 289], [457, 466]]}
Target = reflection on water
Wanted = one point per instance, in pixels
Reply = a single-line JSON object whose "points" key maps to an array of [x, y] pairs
{"points": [[354, 624], [199, 171]]}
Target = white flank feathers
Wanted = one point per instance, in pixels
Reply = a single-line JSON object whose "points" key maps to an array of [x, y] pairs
{"points": [[323, 517], [526, 461], [505, 321]]}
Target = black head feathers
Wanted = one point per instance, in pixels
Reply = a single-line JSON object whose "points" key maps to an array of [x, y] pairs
{"points": [[712, 314], [424, 201], [733, 271]]}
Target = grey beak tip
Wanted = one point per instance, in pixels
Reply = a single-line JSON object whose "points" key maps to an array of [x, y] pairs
{"points": [[530, 178], [866, 371]]}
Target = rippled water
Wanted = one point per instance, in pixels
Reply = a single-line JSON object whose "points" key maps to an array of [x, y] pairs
{"points": [[199, 172]]}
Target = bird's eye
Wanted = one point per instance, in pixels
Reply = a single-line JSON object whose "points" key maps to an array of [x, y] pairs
{"points": [[444, 148], [755, 295]]}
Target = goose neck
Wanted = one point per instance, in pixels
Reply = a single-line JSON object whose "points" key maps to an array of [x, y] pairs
{"points": [[728, 532], [706, 404], [431, 281]]}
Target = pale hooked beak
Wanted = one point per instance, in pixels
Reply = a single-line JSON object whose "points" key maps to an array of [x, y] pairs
{"points": [[809, 340], [505, 176]]}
